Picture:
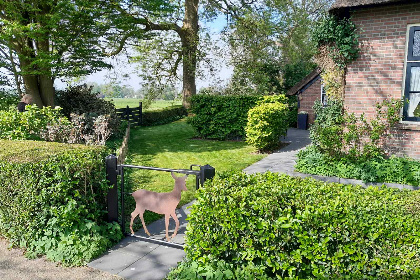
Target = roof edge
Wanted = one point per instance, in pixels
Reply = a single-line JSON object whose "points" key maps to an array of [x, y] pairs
{"points": [[311, 76]]}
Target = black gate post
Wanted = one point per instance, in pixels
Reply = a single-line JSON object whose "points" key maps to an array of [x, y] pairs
{"points": [[112, 196], [140, 122]]}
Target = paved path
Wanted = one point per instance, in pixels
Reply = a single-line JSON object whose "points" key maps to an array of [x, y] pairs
{"points": [[283, 160], [140, 260]]}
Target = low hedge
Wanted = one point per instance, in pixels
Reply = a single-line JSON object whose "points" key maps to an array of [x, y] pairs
{"points": [[271, 226], [387, 170], [53, 200], [221, 117], [164, 116], [225, 117]]}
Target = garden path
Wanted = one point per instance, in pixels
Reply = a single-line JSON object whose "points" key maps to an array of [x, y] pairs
{"points": [[139, 260], [283, 160]]}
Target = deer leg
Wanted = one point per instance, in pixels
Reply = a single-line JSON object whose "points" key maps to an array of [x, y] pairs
{"points": [[133, 216], [173, 214], [167, 216], [142, 222]]}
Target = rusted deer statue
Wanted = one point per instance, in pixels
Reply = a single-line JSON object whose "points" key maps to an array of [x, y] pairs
{"points": [[161, 203]]}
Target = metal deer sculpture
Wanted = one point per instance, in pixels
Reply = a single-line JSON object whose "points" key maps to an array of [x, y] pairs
{"points": [[161, 203]]}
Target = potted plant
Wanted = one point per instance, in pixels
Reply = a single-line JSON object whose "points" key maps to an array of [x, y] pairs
{"points": [[303, 120]]}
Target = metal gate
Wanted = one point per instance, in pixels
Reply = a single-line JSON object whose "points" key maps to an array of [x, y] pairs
{"points": [[113, 170]]}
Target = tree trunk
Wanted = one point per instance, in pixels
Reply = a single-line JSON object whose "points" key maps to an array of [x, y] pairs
{"points": [[189, 39]]}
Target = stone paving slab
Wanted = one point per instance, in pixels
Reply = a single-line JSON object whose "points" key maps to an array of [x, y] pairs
{"points": [[135, 259]]}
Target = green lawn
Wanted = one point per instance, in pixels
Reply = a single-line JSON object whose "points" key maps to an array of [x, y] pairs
{"points": [[172, 146], [134, 102]]}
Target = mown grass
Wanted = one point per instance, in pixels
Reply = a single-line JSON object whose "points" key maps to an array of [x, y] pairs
{"points": [[134, 102], [173, 146]]}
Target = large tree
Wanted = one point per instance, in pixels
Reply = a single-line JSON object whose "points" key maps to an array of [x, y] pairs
{"points": [[270, 42], [142, 20], [52, 38]]}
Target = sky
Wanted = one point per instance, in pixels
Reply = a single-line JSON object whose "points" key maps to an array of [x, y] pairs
{"points": [[128, 74]]}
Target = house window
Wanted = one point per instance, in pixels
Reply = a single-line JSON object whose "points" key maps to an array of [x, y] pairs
{"points": [[324, 98], [411, 111]]}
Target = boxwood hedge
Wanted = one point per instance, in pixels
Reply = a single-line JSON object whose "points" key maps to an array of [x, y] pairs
{"points": [[53, 200], [275, 226]]}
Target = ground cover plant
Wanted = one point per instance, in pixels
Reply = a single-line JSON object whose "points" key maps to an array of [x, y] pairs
{"points": [[53, 200], [388, 170], [172, 146], [272, 226]]}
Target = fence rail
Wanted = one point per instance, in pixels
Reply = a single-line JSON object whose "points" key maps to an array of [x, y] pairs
{"points": [[133, 115]]}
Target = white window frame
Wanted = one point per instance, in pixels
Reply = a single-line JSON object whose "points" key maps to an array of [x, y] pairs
{"points": [[323, 93], [409, 61]]}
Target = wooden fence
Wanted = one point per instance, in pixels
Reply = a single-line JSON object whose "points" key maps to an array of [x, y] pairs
{"points": [[133, 115]]}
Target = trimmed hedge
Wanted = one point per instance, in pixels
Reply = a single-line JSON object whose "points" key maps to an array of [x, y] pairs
{"points": [[267, 122], [164, 116], [277, 226], [225, 116], [53, 200], [392, 170]]}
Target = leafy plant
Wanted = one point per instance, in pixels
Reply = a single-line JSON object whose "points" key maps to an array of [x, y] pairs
{"points": [[392, 170], [54, 200], [267, 122], [340, 38], [7, 100], [29, 124], [293, 228]]}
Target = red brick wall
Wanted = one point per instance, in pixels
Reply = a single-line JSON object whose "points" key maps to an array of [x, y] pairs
{"points": [[378, 73], [307, 99]]}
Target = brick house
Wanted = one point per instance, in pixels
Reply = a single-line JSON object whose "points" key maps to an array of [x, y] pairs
{"points": [[388, 65], [308, 90]]}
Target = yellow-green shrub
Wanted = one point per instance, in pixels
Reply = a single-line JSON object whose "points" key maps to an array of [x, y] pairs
{"points": [[267, 122]]}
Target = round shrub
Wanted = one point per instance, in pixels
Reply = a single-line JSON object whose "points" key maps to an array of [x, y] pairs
{"points": [[81, 100], [295, 228], [266, 123]]}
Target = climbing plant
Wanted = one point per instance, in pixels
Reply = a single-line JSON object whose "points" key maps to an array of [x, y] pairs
{"points": [[338, 45]]}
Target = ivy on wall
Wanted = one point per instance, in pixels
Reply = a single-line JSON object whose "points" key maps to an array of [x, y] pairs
{"points": [[338, 45]]}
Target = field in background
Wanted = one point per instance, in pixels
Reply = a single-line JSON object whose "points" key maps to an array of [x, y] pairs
{"points": [[134, 102]]}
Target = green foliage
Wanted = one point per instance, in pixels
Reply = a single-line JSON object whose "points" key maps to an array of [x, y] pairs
{"points": [[81, 100], [29, 124], [293, 228], [219, 270], [164, 116], [7, 100], [362, 138], [267, 122], [271, 43], [221, 117], [393, 170], [326, 132], [340, 37], [54, 200]]}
